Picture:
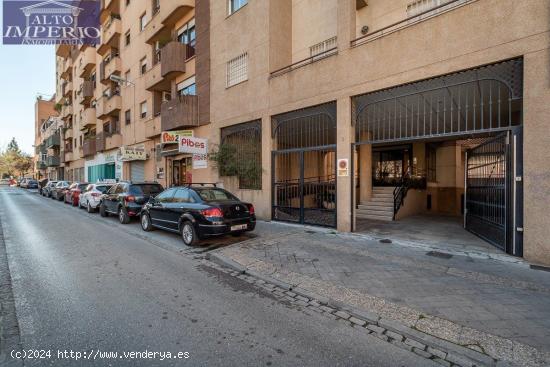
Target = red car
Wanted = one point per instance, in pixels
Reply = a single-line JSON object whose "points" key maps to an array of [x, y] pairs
{"points": [[73, 192]]}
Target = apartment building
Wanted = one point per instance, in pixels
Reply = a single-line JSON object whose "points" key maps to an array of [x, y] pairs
{"points": [[326, 112], [374, 110], [46, 159], [119, 96]]}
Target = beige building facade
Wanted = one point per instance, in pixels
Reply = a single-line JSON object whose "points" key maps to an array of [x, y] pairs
{"points": [[326, 112], [47, 155]]}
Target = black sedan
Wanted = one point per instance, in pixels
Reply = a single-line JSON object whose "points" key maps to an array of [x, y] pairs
{"points": [[198, 211], [125, 199]]}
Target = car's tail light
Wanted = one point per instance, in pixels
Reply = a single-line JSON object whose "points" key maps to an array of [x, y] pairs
{"points": [[130, 199], [251, 208], [95, 194], [212, 212]]}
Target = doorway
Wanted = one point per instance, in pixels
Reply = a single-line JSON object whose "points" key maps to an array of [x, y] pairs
{"points": [[181, 169]]}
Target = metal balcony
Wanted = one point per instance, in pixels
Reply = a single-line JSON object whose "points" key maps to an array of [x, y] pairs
{"points": [[53, 141], [89, 147], [52, 161]]}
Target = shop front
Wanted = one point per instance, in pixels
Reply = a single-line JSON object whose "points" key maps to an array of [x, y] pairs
{"points": [[183, 153], [134, 158], [104, 166]]}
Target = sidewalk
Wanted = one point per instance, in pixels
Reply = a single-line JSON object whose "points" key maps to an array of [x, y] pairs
{"points": [[497, 306]]}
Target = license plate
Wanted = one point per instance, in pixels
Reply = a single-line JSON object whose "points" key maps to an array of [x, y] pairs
{"points": [[238, 227]]}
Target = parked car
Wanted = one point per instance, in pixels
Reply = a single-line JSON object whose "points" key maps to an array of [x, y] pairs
{"points": [[72, 195], [31, 184], [91, 197], [47, 190], [125, 199], [41, 184], [5, 181], [58, 192], [198, 211], [23, 183]]}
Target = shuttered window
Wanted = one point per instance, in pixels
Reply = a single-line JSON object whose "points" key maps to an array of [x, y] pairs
{"points": [[237, 70]]}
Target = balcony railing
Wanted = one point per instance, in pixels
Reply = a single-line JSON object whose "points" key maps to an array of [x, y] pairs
{"points": [[89, 147], [40, 164], [53, 141], [39, 149], [180, 112], [52, 160], [304, 62]]}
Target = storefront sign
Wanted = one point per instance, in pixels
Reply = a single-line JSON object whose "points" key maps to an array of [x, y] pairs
{"points": [[200, 161], [343, 168], [193, 145], [132, 154], [173, 137]]}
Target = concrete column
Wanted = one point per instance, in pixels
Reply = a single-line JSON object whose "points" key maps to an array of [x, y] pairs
{"points": [[365, 172], [264, 211], [346, 23], [344, 139]]}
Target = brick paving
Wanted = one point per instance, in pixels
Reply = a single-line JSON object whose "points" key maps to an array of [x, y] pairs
{"points": [[455, 297]]}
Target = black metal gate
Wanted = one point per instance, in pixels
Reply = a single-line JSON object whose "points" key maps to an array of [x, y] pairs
{"points": [[304, 186], [304, 166]]}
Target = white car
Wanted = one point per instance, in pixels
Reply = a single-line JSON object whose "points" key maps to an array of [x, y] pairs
{"points": [[91, 196]]}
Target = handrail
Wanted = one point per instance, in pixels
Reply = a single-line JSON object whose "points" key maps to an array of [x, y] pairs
{"points": [[304, 62], [399, 194], [358, 40]]}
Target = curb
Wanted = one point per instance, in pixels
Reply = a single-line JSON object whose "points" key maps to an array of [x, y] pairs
{"points": [[439, 350]]}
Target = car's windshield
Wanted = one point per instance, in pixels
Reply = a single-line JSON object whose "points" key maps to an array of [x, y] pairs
{"points": [[214, 194], [145, 189], [102, 189]]}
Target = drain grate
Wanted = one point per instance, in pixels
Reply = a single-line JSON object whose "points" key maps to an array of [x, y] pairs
{"points": [[440, 255], [385, 240]]}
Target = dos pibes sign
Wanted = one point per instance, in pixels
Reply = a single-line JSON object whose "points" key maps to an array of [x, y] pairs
{"points": [[193, 145]]}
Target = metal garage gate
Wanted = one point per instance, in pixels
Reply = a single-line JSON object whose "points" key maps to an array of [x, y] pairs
{"points": [[137, 171], [480, 102], [304, 166]]}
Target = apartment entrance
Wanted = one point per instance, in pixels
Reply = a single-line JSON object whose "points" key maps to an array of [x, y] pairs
{"points": [[448, 147], [304, 166]]}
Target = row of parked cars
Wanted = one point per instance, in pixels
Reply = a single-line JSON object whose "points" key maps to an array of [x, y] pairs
{"points": [[195, 211]]}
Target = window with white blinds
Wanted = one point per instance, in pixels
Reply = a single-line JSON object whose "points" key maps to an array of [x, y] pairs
{"points": [[421, 6], [237, 70], [321, 47]]}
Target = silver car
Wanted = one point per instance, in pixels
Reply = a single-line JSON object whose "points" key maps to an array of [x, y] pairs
{"points": [[90, 197]]}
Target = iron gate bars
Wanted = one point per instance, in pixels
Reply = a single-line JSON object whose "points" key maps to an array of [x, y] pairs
{"points": [[488, 184], [484, 99]]}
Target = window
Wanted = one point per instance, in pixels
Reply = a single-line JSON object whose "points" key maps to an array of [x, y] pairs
{"points": [[165, 196], [156, 6], [143, 109], [187, 87], [127, 117], [142, 21], [127, 77], [182, 196], [237, 70], [421, 6], [244, 141], [187, 35], [127, 38], [208, 194], [234, 5], [322, 47], [143, 66]]}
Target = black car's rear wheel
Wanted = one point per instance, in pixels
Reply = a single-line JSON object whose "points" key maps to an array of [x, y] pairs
{"points": [[123, 216], [103, 210], [146, 222], [188, 234]]}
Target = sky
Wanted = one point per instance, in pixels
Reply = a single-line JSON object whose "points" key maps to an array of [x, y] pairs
{"points": [[25, 72]]}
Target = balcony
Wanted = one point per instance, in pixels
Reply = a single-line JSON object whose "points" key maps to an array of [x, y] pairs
{"points": [[179, 112], [110, 36], [89, 147], [173, 56], [152, 127], [88, 118], [52, 161], [39, 149], [105, 141], [66, 69], [40, 165], [53, 141], [63, 50], [107, 8], [113, 66], [87, 62], [109, 106], [69, 156], [66, 111], [165, 18], [155, 81], [87, 91], [66, 89]]}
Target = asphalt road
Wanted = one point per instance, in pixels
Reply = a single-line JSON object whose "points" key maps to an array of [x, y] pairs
{"points": [[83, 283]]}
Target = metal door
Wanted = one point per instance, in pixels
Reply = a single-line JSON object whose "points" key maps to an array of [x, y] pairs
{"points": [[491, 197], [304, 186], [137, 171]]}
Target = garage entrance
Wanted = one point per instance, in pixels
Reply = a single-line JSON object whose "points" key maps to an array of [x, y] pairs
{"points": [[304, 166], [448, 146]]}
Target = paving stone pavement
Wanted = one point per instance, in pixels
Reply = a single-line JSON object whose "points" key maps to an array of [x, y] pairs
{"points": [[500, 308]]}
